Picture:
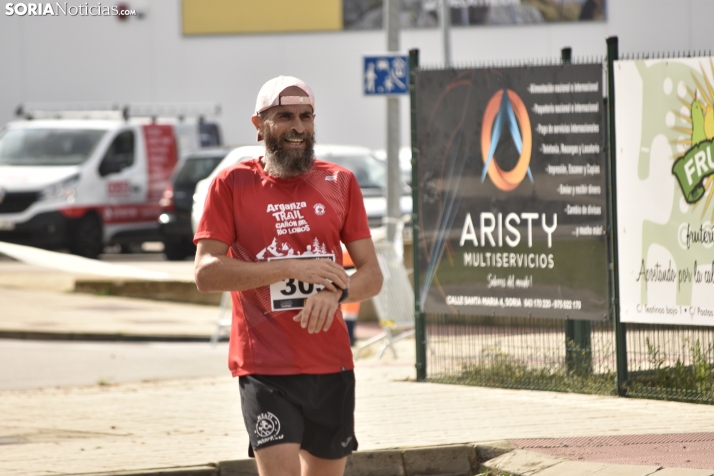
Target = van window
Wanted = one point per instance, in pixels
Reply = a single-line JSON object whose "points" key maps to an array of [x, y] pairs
{"points": [[120, 154], [36, 147], [209, 134]]}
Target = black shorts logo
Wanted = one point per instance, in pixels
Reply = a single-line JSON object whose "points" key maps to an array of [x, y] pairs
{"points": [[267, 426]]}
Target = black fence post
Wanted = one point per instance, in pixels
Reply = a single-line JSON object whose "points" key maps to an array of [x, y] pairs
{"points": [[620, 336], [578, 347], [565, 57], [419, 318], [566, 54]]}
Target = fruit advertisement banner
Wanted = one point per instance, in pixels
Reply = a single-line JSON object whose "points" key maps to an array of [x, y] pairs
{"points": [[664, 119], [512, 191]]}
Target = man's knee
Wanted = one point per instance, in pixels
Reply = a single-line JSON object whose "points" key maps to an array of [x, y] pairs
{"points": [[314, 466], [279, 460]]}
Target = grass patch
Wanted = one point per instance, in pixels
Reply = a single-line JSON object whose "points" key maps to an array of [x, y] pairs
{"points": [[688, 376], [496, 368], [664, 362]]}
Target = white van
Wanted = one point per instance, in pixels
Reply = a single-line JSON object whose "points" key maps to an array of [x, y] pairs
{"points": [[81, 184]]}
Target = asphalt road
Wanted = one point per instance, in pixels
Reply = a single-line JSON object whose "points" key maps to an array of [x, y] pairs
{"points": [[48, 364]]}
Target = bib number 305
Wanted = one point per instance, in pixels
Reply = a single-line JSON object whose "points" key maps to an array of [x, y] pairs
{"points": [[291, 294], [306, 289]]}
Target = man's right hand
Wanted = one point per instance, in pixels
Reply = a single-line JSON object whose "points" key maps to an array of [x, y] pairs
{"points": [[323, 272]]}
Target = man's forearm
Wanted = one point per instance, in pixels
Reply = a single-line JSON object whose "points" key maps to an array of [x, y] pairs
{"points": [[223, 273], [365, 283], [216, 271]]}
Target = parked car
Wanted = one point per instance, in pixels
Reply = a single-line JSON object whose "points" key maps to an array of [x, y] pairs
{"points": [[177, 201], [369, 171], [405, 162], [80, 184], [371, 174], [236, 155]]}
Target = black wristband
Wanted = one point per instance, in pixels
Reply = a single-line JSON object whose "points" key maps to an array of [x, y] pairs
{"points": [[345, 295]]}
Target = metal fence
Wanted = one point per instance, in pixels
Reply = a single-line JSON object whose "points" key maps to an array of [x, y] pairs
{"points": [[664, 362], [526, 353], [670, 362]]}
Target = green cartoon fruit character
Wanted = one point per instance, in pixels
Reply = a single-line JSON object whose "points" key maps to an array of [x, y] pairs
{"points": [[698, 134], [709, 123]]}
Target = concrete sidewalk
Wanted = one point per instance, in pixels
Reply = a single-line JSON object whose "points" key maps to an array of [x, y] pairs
{"points": [[198, 423], [194, 427]]}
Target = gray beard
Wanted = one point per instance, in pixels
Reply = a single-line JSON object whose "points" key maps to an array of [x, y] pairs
{"points": [[287, 163]]}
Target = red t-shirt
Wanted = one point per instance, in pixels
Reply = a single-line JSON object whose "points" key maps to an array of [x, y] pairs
{"points": [[262, 217]]}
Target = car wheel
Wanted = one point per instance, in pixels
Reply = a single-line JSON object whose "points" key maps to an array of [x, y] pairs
{"points": [[87, 237], [178, 250]]}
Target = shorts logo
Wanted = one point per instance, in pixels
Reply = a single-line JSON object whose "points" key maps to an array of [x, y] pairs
{"points": [[268, 425], [319, 209]]}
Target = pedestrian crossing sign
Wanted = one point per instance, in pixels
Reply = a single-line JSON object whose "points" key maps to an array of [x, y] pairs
{"points": [[386, 74]]}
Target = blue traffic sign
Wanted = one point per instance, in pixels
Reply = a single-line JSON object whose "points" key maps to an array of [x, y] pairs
{"points": [[386, 74]]}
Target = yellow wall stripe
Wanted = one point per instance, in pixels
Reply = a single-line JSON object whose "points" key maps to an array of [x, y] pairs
{"points": [[211, 17]]}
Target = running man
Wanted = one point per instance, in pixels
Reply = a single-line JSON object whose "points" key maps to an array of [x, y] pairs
{"points": [[289, 344]]}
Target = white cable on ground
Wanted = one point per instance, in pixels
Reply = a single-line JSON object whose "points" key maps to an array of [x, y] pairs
{"points": [[77, 264]]}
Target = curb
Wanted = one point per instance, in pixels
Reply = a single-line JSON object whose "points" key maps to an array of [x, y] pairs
{"points": [[174, 291], [531, 463], [448, 460]]}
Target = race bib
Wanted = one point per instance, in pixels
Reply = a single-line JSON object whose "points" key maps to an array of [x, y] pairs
{"points": [[291, 294]]}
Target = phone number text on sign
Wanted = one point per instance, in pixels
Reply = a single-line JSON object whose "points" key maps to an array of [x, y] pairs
{"points": [[566, 304]]}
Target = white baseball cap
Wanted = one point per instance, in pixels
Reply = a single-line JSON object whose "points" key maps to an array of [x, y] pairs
{"points": [[269, 94]]}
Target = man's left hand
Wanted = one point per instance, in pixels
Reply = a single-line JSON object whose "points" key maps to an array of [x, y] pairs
{"points": [[319, 311]]}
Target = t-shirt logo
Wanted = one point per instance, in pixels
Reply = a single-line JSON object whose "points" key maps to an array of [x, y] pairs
{"points": [[288, 217], [319, 209]]}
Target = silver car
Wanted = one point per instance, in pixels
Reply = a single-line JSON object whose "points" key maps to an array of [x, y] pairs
{"points": [[369, 171]]}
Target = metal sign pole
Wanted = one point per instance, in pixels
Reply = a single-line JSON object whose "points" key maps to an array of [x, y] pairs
{"points": [[394, 187], [446, 31]]}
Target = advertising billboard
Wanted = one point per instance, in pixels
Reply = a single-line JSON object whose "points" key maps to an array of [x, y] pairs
{"points": [[220, 17], [664, 119], [512, 191], [368, 14]]}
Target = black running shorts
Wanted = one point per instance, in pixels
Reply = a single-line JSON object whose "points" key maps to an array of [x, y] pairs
{"points": [[315, 411]]}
